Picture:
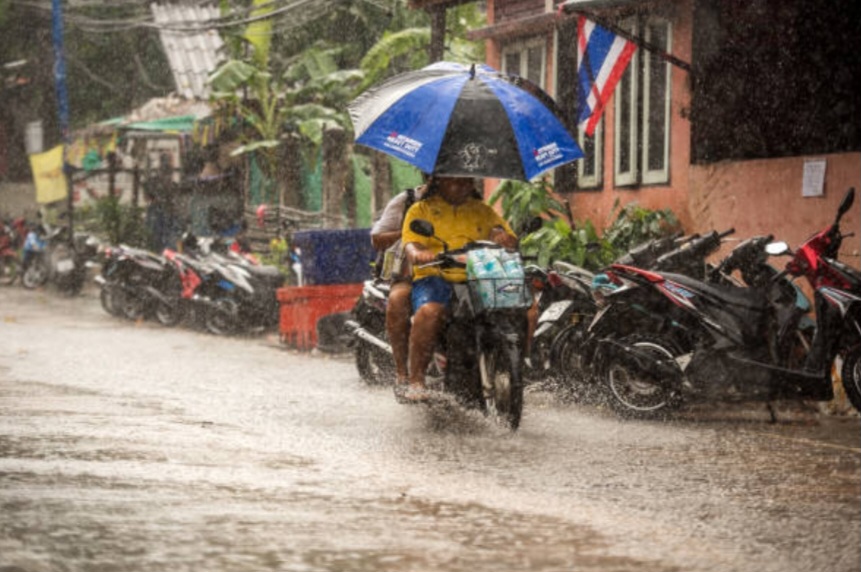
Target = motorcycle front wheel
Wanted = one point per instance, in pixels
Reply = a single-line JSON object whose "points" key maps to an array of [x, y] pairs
{"points": [[9, 269], [501, 372], [573, 377], [637, 393], [36, 274], [850, 376], [111, 299]]}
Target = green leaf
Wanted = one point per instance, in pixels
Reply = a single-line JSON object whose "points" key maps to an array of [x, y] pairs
{"points": [[249, 147], [232, 75]]}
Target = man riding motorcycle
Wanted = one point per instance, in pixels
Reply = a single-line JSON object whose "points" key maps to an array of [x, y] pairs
{"points": [[386, 236], [459, 217]]}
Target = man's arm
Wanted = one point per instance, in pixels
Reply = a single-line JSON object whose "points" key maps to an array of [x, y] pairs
{"points": [[383, 240], [387, 230], [419, 254]]}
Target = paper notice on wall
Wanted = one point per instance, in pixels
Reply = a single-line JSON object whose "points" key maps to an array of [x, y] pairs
{"points": [[813, 184]]}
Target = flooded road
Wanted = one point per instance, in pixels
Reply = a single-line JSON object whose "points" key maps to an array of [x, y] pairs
{"points": [[129, 446]]}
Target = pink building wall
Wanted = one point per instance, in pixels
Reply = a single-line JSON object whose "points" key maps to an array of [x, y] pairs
{"points": [[764, 197]]}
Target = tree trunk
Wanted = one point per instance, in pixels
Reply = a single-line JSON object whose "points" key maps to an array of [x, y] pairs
{"points": [[381, 178], [292, 161], [334, 175], [437, 42]]}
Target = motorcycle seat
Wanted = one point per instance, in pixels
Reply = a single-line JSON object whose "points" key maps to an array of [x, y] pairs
{"points": [[746, 298]]}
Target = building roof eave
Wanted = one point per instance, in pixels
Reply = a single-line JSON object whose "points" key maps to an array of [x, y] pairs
{"points": [[520, 27]]}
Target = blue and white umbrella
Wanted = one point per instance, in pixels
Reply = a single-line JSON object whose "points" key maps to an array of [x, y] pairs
{"points": [[449, 119]]}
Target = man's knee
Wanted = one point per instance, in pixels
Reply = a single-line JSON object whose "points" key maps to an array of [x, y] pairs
{"points": [[431, 312], [399, 304]]}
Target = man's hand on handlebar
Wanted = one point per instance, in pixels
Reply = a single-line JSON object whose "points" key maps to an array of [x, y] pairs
{"points": [[502, 238]]}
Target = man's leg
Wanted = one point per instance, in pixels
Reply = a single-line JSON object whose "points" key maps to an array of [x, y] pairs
{"points": [[398, 314], [427, 324]]}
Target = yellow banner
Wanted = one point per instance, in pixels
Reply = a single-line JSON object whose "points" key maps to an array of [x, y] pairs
{"points": [[48, 175]]}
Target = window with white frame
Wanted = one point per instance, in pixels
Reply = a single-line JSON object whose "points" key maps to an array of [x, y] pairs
{"points": [[641, 147], [590, 167], [526, 59]]}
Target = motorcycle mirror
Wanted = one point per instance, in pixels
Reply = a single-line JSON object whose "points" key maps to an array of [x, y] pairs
{"points": [[846, 203], [422, 228], [777, 248]]}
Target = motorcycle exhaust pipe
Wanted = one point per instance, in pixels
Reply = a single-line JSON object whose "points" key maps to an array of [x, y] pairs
{"points": [[159, 295], [367, 336]]}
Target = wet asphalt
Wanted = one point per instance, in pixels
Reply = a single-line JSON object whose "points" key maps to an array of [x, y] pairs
{"points": [[128, 446]]}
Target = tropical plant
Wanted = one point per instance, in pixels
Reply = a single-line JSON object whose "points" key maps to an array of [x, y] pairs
{"points": [[635, 224], [557, 240], [523, 201], [405, 49], [581, 244], [120, 223]]}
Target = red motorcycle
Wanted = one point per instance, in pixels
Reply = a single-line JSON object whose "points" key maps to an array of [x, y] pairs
{"points": [[11, 238], [838, 294]]}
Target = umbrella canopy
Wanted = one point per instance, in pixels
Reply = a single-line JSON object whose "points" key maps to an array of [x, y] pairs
{"points": [[448, 119]]}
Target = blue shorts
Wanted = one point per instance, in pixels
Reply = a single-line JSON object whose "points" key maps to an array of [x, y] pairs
{"points": [[431, 289]]}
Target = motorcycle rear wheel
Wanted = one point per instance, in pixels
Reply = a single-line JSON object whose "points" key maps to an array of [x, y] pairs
{"points": [[168, 315], [132, 307], [502, 384], [636, 393], [850, 376], [9, 269]]}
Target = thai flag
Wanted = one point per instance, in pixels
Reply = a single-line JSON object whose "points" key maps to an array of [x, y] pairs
{"points": [[602, 57]]}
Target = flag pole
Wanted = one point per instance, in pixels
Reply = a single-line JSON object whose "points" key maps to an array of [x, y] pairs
{"points": [[640, 42], [62, 104]]}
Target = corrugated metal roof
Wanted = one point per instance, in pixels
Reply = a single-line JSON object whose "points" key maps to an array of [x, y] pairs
{"points": [[192, 55]]}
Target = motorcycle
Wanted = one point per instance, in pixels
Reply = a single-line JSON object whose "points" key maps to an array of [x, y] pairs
{"points": [[564, 298], [11, 239], [686, 340], [367, 334], [210, 289], [484, 338], [682, 254], [258, 303], [130, 281], [50, 256]]}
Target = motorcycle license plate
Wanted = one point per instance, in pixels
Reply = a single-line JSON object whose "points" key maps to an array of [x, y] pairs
{"points": [[554, 311], [66, 265]]}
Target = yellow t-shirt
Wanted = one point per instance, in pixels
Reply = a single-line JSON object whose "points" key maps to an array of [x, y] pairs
{"points": [[457, 225]]}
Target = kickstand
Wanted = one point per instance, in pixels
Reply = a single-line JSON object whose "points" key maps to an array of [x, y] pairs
{"points": [[771, 411]]}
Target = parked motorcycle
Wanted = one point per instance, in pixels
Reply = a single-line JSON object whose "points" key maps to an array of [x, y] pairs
{"points": [[571, 375], [484, 338], [217, 290], [50, 256], [686, 340], [130, 281], [12, 235]]}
